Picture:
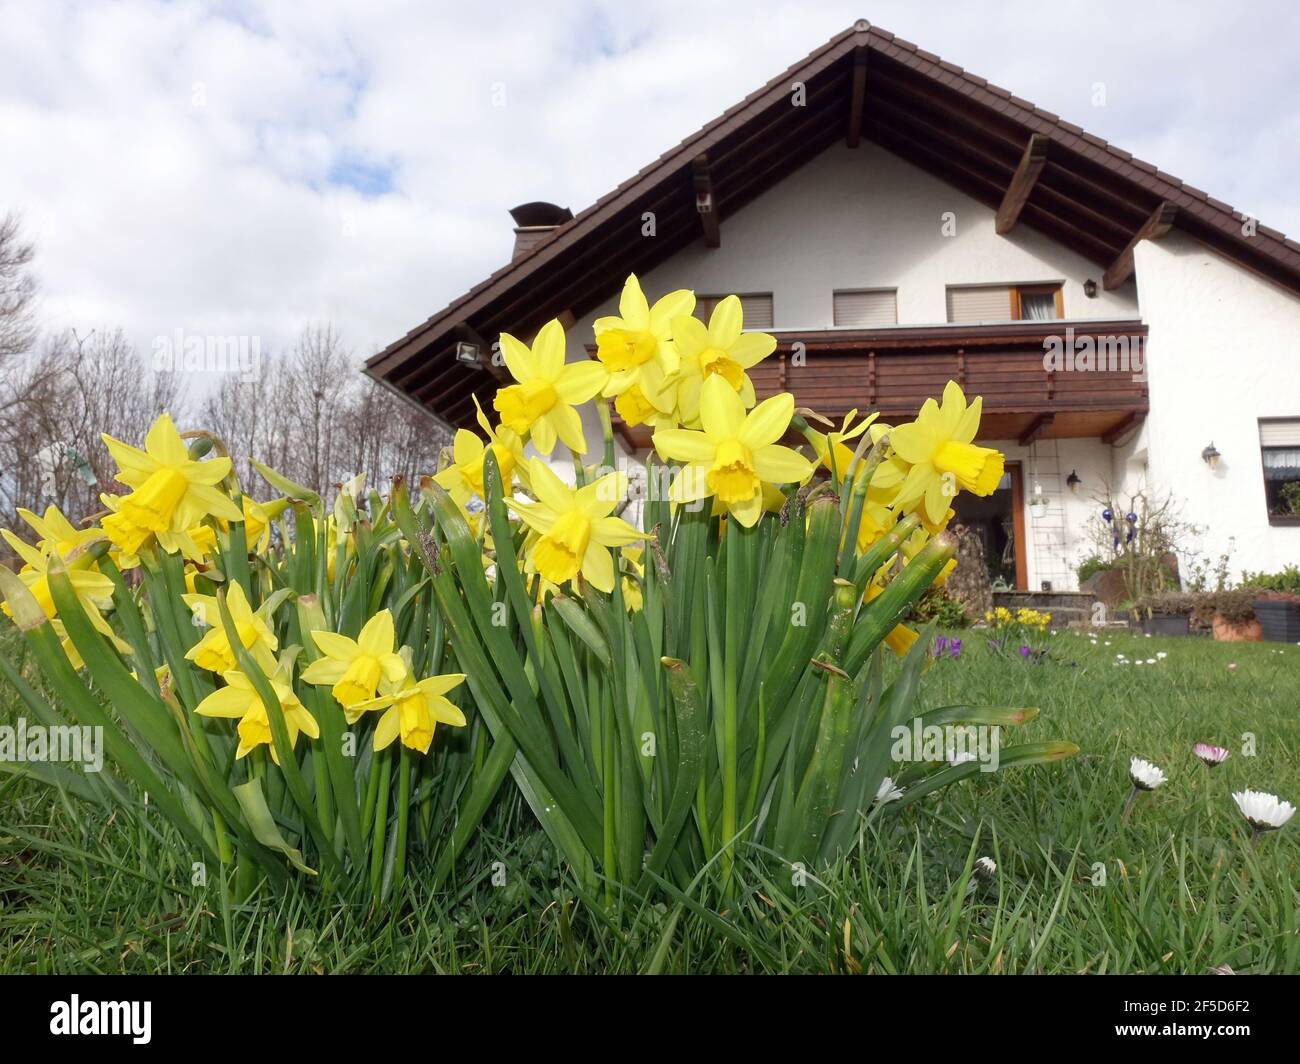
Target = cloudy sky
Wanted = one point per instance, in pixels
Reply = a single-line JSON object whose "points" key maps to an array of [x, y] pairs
{"points": [[232, 168]]}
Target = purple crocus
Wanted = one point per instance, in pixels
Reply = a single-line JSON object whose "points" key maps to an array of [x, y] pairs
{"points": [[940, 645], [1025, 652], [954, 648]]}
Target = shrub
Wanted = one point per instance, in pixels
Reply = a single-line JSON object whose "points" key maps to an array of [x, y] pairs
{"points": [[1166, 604], [937, 606]]}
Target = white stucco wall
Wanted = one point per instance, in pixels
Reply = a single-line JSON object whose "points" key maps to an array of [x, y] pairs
{"points": [[1221, 354], [863, 218]]}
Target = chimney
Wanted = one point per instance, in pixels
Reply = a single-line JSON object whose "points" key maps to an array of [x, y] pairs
{"points": [[534, 222]]}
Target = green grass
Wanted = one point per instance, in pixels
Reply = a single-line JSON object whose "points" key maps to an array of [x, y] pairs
{"points": [[82, 890]]}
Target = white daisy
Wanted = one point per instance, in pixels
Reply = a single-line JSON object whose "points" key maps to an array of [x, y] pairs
{"points": [[1145, 776], [1264, 812], [887, 792]]}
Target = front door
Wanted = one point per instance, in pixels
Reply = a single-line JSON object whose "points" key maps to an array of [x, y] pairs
{"points": [[999, 521]]}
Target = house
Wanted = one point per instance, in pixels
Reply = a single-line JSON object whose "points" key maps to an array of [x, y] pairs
{"points": [[896, 222]]}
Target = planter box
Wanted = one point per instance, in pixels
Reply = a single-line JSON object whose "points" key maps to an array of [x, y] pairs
{"points": [[1246, 632], [1279, 621], [1167, 624]]}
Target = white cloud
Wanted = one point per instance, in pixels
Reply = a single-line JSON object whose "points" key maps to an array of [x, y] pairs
{"points": [[179, 164]]}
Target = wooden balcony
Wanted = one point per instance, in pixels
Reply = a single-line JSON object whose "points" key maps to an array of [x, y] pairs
{"points": [[894, 370]]}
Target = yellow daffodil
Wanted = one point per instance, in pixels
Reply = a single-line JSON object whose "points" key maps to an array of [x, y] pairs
{"points": [[941, 458], [900, 638], [354, 667], [258, 517], [413, 709], [55, 533], [719, 348], [464, 478], [93, 589], [171, 491], [239, 700], [735, 453], [542, 404], [835, 450], [213, 652], [633, 572], [574, 527], [637, 348]]}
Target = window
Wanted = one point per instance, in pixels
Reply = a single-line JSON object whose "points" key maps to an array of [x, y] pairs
{"points": [[757, 308], [866, 307], [1025, 302], [1279, 445]]}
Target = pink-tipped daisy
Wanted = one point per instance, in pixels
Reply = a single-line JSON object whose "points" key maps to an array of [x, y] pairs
{"points": [[1211, 755]]}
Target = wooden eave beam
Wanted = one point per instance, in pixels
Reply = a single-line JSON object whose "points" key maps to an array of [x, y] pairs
{"points": [[1022, 183], [1156, 226], [857, 96], [705, 203], [1037, 427], [1122, 429]]}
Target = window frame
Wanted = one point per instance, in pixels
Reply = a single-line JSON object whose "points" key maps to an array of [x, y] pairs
{"points": [[875, 290], [1274, 519], [1018, 291], [742, 296]]}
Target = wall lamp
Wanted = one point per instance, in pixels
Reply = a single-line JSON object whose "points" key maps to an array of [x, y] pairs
{"points": [[1210, 456], [1072, 481]]}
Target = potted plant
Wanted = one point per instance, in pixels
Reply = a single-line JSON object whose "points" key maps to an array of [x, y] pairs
{"points": [[1230, 615], [1277, 603], [1166, 613]]}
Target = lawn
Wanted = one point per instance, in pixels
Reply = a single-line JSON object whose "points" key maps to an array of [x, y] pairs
{"points": [[1178, 887]]}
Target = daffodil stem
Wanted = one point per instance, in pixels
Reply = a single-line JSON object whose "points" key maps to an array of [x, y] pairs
{"points": [[734, 546], [381, 825], [611, 789], [403, 814], [607, 430]]}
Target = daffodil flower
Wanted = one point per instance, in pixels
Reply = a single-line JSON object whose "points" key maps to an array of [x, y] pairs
{"points": [[937, 447], [735, 453], [719, 348], [213, 652], [574, 527], [637, 348], [354, 667], [239, 700], [56, 534], [464, 478], [542, 404], [412, 710], [257, 523], [634, 572], [171, 491]]}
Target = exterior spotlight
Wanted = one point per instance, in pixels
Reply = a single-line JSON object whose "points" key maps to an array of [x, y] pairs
{"points": [[1090, 288], [1210, 456], [1073, 481], [467, 353]]}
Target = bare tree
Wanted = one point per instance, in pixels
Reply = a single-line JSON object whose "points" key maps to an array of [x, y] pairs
{"points": [[17, 289]]}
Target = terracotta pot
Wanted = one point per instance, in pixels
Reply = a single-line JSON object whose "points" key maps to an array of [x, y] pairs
{"points": [[1246, 632]]}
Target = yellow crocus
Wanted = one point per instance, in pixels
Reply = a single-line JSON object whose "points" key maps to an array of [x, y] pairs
{"points": [[171, 491], [574, 527], [213, 652], [941, 458], [636, 347], [413, 709], [353, 668], [542, 404], [735, 453], [719, 348], [239, 700]]}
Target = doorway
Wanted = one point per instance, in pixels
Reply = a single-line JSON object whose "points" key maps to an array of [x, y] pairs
{"points": [[999, 521]]}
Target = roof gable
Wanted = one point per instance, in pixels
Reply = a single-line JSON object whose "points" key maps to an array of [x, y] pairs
{"points": [[1030, 165]]}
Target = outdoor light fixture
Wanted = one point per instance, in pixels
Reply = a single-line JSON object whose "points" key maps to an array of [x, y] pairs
{"points": [[1210, 456], [1090, 288], [1073, 481], [467, 352]]}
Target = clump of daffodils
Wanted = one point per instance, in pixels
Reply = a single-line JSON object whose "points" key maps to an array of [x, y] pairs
{"points": [[282, 666]]}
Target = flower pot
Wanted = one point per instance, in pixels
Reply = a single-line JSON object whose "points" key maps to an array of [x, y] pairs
{"points": [[1242, 632], [1279, 620], [1167, 624]]}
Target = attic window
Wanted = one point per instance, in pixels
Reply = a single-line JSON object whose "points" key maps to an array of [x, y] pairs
{"points": [[1025, 302], [865, 308], [757, 307]]}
